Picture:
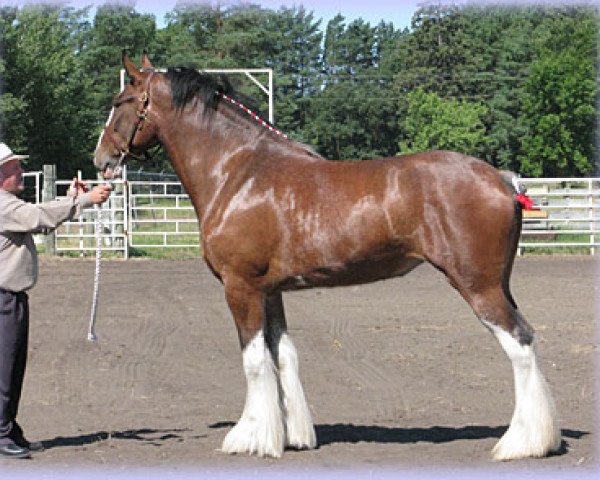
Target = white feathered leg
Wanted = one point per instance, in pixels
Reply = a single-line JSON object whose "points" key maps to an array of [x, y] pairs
{"points": [[533, 430], [260, 429], [300, 432]]}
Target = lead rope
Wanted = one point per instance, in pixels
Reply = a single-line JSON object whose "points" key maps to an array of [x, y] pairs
{"points": [[91, 336]]}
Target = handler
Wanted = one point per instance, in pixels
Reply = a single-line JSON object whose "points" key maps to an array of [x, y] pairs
{"points": [[18, 273]]}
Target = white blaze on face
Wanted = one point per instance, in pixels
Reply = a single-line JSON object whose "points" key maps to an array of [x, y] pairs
{"points": [[103, 157], [112, 112]]}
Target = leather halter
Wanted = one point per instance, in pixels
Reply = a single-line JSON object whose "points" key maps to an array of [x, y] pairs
{"points": [[142, 115]]}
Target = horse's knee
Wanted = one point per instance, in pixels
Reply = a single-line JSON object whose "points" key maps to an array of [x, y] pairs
{"points": [[246, 305], [255, 356]]}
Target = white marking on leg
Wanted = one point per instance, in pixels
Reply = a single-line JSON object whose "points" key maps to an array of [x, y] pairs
{"points": [[300, 432], [260, 429], [533, 430]]}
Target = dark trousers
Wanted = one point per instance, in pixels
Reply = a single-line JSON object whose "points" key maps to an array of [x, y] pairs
{"points": [[14, 332]]}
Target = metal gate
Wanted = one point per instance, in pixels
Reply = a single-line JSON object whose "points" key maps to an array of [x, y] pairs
{"points": [[79, 237]]}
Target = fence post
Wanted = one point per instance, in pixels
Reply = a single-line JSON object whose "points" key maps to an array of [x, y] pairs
{"points": [[48, 194]]}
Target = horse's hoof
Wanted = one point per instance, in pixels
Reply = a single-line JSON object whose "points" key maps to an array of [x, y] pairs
{"points": [[513, 446], [306, 440], [246, 437]]}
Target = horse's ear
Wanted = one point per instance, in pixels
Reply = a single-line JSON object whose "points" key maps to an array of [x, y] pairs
{"points": [[146, 65], [132, 71]]}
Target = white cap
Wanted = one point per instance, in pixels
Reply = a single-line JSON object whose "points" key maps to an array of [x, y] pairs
{"points": [[6, 154]]}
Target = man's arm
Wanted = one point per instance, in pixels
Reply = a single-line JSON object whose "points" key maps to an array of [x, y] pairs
{"points": [[19, 216]]}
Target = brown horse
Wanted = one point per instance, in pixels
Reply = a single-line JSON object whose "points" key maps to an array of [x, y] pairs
{"points": [[275, 216]]}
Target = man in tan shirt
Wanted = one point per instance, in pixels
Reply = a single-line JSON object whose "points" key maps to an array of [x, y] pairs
{"points": [[19, 220]]}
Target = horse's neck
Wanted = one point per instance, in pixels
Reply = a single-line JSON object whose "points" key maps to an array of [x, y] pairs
{"points": [[203, 161]]}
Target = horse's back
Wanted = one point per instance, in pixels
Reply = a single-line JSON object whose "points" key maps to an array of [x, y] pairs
{"points": [[409, 186]]}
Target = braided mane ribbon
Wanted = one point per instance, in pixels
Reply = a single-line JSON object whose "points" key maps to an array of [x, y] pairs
{"points": [[253, 115]]}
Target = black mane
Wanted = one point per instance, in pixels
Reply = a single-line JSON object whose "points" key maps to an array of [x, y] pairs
{"points": [[188, 84]]}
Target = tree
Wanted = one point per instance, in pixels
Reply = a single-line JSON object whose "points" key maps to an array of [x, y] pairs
{"points": [[500, 42], [514, 86], [115, 28], [353, 116], [13, 108], [560, 110], [433, 57], [435, 123], [294, 55], [45, 97], [559, 105]]}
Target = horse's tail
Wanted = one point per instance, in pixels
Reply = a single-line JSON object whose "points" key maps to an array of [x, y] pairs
{"points": [[511, 180]]}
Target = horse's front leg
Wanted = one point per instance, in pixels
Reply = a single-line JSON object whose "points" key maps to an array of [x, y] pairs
{"points": [[260, 429], [299, 429]]}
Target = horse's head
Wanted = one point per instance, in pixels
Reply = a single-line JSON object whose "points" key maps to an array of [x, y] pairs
{"points": [[129, 131]]}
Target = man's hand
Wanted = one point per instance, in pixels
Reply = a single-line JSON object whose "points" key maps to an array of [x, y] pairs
{"points": [[100, 193], [76, 188]]}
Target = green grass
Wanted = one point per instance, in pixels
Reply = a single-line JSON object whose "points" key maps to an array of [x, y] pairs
{"points": [[173, 241], [165, 253], [560, 238], [159, 214]]}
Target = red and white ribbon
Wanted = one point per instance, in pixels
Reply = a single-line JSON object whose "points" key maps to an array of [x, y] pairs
{"points": [[253, 115]]}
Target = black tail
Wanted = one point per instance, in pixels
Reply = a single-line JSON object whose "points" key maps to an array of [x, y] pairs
{"points": [[511, 180]]}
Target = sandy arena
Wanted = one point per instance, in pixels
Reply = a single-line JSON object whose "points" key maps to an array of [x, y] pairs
{"points": [[398, 374]]}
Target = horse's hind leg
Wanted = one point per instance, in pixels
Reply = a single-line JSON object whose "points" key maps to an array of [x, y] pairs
{"points": [[533, 430], [475, 250], [260, 429], [299, 429]]}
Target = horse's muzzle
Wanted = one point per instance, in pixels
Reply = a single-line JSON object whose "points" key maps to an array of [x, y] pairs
{"points": [[110, 166], [110, 174]]}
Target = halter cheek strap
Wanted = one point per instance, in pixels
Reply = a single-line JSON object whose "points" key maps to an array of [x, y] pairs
{"points": [[142, 115]]}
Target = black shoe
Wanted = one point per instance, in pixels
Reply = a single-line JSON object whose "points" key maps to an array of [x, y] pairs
{"points": [[21, 441], [35, 446], [12, 450]]}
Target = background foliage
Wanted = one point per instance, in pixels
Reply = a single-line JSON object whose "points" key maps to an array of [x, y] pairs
{"points": [[514, 86]]}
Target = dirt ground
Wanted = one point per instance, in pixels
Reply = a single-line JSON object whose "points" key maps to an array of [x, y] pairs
{"points": [[399, 374]]}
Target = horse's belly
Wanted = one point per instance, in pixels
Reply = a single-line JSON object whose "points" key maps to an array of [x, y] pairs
{"points": [[352, 273]]}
